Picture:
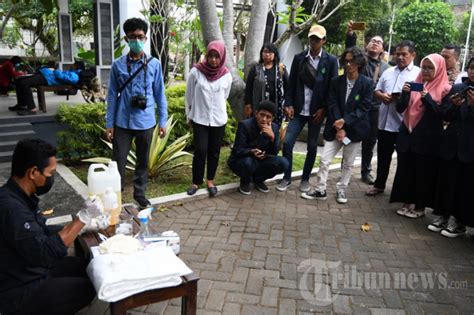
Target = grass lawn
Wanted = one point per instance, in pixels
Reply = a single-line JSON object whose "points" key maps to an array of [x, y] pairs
{"points": [[178, 180]]}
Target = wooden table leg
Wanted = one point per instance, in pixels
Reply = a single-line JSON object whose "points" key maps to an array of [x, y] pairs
{"points": [[118, 308], [189, 301]]}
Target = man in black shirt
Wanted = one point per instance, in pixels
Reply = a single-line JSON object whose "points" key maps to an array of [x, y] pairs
{"points": [[373, 69], [254, 154], [36, 277]]}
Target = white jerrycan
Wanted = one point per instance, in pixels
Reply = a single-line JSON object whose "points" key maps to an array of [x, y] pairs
{"points": [[100, 176]]}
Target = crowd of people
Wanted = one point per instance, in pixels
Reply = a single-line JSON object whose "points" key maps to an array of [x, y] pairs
{"points": [[416, 111]]}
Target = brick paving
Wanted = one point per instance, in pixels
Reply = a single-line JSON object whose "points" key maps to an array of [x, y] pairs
{"points": [[277, 253]]}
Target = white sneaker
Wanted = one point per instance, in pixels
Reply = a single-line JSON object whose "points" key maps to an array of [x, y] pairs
{"points": [[283, 185], [341, 196], [304, 186], [438, 224]]}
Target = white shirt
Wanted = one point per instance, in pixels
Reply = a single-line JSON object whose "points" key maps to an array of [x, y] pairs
{"points": [[206, 100], [392, 81], [460, 77], [308, 93]]}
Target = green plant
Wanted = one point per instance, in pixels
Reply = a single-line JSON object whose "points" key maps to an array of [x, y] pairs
{"points": [[434, 24], [162, 157], [81, 139]]}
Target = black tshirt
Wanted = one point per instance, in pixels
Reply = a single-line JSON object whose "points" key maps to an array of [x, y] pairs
{"points": [[269, 88], [28, 248]]}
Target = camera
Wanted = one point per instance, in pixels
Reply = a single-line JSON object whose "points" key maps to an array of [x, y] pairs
{"points": [[139, 101]]}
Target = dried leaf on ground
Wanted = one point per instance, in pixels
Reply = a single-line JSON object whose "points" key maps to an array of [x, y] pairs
{"points": [[163, 208], [365, 227], [48, 211]]}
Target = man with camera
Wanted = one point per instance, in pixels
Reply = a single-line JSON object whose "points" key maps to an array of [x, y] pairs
{"points": [[135, 86]]}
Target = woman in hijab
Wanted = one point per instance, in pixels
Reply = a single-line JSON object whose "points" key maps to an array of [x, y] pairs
{"points": [[419, 137], [453, 206], [207, 89], [267, 80]]}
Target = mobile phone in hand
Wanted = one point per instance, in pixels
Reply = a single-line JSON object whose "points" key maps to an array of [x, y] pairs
{"points": [[358, 26], [416, 87]]}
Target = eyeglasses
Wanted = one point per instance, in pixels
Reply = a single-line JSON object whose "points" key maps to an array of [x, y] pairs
{"points": [[426, 69], [267, 52], [376, 41], [135, 37]]}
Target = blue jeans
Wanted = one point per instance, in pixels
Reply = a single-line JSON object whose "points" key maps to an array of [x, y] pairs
{"points": [[294, 128], [249, 168]]}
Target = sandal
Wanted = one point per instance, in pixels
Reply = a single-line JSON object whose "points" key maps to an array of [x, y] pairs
{"points": [[413, 214], [373, 191], [403, 210]]}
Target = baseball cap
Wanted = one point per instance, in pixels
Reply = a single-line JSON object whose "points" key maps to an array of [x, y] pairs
{"points": [[317, 30]]}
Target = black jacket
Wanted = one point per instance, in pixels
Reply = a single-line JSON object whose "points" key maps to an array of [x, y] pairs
{"points": [[458, 139], [354, 111], [327, 69], [28, 248], [425, 138], [249, 137]]}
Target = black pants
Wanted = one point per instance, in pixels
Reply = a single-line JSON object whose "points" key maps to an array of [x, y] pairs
{"points": [[385, 149], [122, 143], [24, 95], [249, 168], [207, 144], [368, 144], [65, 291]]}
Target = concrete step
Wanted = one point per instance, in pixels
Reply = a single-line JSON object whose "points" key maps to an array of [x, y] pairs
{"points": [[27, 119], [6, 156], [7, 146], [16, 135], [15, 127]]}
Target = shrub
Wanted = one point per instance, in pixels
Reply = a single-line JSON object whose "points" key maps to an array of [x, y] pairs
{"points": [[82, 138]]}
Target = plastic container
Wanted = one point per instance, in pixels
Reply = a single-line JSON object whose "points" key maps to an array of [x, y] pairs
{"points": [[100, 176], [144, 217], [111, 207]]}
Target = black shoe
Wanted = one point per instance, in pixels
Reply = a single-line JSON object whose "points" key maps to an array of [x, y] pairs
{"points": [[143, 202], [260, 186], [192, 190], [244, 188], [17, 108], [368, 179], [212, 191], [26, 112]]}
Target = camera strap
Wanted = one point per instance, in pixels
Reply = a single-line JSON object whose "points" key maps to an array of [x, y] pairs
{"points": [[130, 78]]}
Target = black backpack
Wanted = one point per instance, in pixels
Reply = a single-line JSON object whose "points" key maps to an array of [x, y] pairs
{"points": [[85, 78]]}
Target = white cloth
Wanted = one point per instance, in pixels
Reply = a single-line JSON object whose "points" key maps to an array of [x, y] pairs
{"points": [[392, 81], [206, 100], [308, 93], [120, 244], [117, 276], [330, 150]]}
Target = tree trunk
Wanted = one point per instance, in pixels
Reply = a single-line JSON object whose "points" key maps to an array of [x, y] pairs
{"points": [[5, 20], [228, 30], [211, 31], [256, 32], [159, 35]]}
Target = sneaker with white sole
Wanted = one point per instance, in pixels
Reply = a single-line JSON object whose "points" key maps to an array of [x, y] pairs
{"points": [[403, 210], [304, 186], [310, 195], [244, 188], [260, 186], [454, 229], [283, 185], [438, 224], [341, 196]]}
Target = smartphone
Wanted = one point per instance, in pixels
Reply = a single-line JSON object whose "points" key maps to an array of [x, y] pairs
{"points": [[358, 26], [463, 92], [416, 87], [396, 94]]}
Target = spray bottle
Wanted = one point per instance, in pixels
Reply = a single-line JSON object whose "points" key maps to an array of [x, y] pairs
{"points": [[144, 216]]}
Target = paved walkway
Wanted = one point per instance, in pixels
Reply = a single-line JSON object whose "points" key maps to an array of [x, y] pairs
{"points": [[276, 253]]}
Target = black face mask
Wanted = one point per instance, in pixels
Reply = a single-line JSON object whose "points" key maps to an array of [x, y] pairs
{"points": [[47, 185]]}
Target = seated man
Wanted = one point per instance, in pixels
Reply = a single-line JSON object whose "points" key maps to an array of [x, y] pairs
{"points": [[36, 277], [254, 155], [8, 72], [46, 76]]}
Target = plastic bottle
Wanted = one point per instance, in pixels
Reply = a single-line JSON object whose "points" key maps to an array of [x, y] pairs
{"points": [[111, 207], [144, 217], [100, 176]]}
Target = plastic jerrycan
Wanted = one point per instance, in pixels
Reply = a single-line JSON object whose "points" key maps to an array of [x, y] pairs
{"points": [[100, 176]]}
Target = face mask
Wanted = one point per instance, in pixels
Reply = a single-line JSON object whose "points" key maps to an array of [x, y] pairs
{"points": [[46, 187], [136, 46]]}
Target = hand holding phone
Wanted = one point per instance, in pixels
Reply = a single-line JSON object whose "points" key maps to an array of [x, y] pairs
{"points": [[358, 26], [416, 87]]}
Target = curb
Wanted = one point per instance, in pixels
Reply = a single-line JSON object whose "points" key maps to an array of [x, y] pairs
{"points": [[202, 193]]}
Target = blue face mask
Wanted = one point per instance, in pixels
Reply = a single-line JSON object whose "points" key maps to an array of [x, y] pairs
{"points": [[136, 46]]}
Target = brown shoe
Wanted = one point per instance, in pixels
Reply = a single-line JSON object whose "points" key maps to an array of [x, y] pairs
{"points": [[373, 191]]}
